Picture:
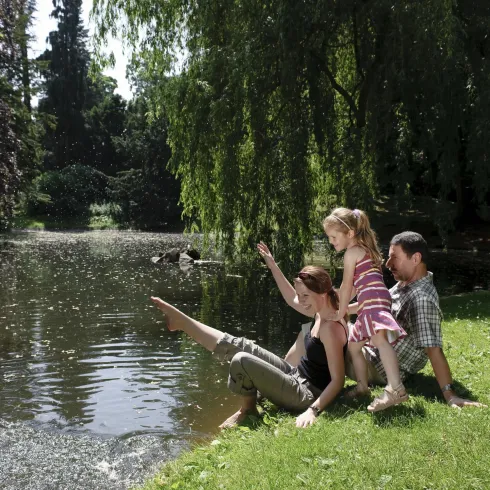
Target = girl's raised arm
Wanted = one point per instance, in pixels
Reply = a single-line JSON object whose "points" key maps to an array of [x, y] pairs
{"points": [[287, 290]]}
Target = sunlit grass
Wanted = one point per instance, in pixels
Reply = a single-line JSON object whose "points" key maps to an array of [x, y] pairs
{"points": [[423, 444]]}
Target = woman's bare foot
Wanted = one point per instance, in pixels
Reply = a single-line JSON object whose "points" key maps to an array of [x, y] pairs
{"points": [[238, 418], [174, 317], [203, 334]]}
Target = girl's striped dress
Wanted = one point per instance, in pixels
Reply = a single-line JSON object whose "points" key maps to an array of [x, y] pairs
{"points": [[373, 297]]}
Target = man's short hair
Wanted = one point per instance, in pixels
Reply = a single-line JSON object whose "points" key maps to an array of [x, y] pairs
{"points": [[411, 243]]}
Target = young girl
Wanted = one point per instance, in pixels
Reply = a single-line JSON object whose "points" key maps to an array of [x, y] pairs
{"points": [[350, 230]]}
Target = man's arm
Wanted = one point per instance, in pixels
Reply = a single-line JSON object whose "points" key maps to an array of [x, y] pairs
{"points": [[443, 375], [426, 318]]}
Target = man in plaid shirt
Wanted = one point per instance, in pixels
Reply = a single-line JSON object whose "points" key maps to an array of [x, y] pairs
{"points": [[415, 306]]}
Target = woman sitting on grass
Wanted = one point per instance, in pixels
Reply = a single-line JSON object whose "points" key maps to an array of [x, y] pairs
{"points": [[312, 373]]}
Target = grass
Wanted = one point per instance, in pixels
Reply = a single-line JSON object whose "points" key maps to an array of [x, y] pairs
{"points": [[423, 444]]}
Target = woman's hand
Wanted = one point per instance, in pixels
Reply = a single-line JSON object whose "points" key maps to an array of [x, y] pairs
{"points": [[306, 418], [266, 254]]}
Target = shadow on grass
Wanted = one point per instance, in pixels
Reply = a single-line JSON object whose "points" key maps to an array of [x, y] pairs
{"points": [[428, 387], [400, 415], [397, 416]]}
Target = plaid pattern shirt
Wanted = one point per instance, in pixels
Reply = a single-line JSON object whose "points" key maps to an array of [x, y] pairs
{"points": [[416, 309]]}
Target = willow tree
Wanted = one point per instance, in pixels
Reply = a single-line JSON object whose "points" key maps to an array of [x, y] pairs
{"points": [[284, 108]]}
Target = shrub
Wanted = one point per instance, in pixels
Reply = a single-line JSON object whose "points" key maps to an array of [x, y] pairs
{"points": [[71, 192]]}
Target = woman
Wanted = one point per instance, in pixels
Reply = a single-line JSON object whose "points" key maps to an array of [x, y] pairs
{"points": [[312, 373]]}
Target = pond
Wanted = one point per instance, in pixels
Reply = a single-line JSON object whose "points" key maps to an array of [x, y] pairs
{"points": [[94, 392]]}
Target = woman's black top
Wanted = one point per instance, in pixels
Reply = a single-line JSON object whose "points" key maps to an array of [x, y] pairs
{"points": [[314, 365]]}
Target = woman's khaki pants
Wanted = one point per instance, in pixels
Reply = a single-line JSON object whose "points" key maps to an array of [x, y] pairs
{"points": [[253, 369]]}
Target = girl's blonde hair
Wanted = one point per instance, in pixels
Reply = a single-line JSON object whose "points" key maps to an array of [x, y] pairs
{"points": [[344, 220]]}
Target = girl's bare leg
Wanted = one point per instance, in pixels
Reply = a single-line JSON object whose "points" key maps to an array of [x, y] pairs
{"points": [[395, 392], [208, 337], [360, 368], [388, 358]]}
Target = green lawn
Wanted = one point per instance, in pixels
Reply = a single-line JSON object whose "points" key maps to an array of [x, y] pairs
{"points": [[423, 444]]}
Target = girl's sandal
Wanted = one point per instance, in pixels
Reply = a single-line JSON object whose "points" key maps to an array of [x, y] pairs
{"points": [[391, 396], [356, 392]]}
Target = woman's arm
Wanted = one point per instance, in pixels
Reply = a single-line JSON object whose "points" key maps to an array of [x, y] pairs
{"points": [[287, 290], [333, 337]]}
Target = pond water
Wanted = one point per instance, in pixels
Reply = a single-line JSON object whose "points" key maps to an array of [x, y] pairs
{"points": [[94, 392]]}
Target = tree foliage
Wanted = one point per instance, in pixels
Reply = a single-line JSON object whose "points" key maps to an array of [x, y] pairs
{"points": [[103, 122], [148, 193], [65, 86], [20, 151], [70, 192], [282, 109], [9, 171]]}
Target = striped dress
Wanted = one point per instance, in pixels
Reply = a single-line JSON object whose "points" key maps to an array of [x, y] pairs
{"points": [[373, 297]]}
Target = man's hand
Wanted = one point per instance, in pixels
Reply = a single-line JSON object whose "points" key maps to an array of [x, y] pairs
{"points": [[458, 402]]}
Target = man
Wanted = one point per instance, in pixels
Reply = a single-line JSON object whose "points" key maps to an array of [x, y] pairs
{"points": [[415, 306]]}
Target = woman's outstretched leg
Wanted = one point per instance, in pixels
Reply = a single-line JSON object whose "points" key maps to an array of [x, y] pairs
{"points": [[207, 336]]}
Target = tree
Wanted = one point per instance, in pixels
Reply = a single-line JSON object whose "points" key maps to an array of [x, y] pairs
{"points": [[9, 171], [65, 86], [283, 109], [104, 119], [147, 192], [21, 152]]}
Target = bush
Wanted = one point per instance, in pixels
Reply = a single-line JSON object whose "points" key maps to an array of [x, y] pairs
{"points": [[146, 200], [71, 192]]}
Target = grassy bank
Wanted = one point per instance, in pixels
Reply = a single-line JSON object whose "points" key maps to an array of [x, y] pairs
{"points": [[423, 444]]}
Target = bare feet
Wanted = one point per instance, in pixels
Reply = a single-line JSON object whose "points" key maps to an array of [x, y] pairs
{"points": [[237, 418], [173, 316]]}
